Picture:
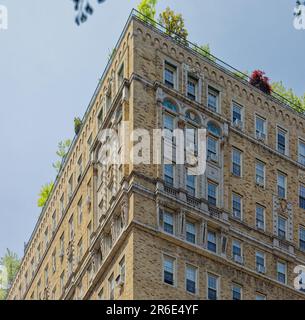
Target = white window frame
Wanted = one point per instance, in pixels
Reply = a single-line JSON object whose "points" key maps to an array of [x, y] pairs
{"points": [[300, 156], [279, 173], [241, 206], [216, 93], [257, 116], [278, 129], [238, 105], [174, 259], [187, 265], [217, 284], [241, 162], [174, 68]]}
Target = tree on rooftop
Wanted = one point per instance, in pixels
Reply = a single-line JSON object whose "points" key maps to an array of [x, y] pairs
{"points": [[62, 151], [174, 24], [147, 8], [44, 194]]}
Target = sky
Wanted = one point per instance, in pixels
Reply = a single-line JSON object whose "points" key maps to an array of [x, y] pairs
{"points": [[49, 69]]}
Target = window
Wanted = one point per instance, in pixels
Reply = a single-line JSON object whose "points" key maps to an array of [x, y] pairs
{"points": [[282, 227], [260, 128], [281, 185], [302, 196], [237, 115], [71, 228], [46, 238], [80, 211], [236, 292], [192, 88], [212, 146], [213, 99], [212, 287], [89, 232], [169, 174], [281, 272], [302, 238], [302, 152], [53, 222], [168, 127], [80, 250], [168, 222], [62, 246], [191, 185], [260, 217], [54, 261], [236, 162], [260, 297], [260, 173], [260, 262], [170, 75], [46, 276], [168, 270], [237, 206], [70, 187], [190, 232], [236, 251], [212, 193], [212, 241], [122, 270], [281, 140], [191, 279], [120, 76], [62, 282], [111, 287], [62, 205], [80, 168]]}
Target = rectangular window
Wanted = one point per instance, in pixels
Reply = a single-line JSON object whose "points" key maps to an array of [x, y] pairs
{"points": [[236, 292], [190, 232], [191, 279], [111, 287], [212, 241], [54, 261], [46, 276], [281, 140], [260, 173], [70, 187], [169, 174], [169, 270], [54, 222], [302, 238], [260, 128], [260, 262], [168, 222], [302, 196], [213, 99], [71, 228], [281, 185], [281, 272], [212, 149], [282, 227], [62, 246], [260, 297], [191, 185], [120, 76], [302, 152], [122, 270], [192, 88], [80, 250], [80, 168], [89, 233], [236, 162], [260, 217], [237, 115], [62, 282], [237, 206], [212, 287], [80, 211], [62, 205], [212, 193], [170, 75], [236, 251], [46, 238]]}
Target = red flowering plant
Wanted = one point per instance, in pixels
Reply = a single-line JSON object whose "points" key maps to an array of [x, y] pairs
{"points": [[260, 81]]}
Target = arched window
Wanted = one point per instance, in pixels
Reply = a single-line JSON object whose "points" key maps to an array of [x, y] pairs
{"points": [[168, 104]]}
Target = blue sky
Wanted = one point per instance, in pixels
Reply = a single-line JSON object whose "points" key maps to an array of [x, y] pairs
{"points": [[49, 69]]}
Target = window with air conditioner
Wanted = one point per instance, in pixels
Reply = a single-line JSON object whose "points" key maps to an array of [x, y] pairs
{"points": [[237, 117], [260, 128], [260, 262], [260, 217], [237, 252], [237, 206], [260, 173]]}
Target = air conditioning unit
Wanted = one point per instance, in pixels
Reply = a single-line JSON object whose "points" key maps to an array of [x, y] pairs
{"points": [[236, 214], [213, 157], [260, 181], [261, 269], [260, 136], [238, 124], [260, 225], [238, 259]]}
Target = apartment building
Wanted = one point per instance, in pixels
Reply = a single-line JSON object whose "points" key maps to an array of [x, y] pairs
{"points": [[148, 231]]}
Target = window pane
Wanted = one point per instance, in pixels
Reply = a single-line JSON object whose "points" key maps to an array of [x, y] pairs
{"points": [[302, 152]]}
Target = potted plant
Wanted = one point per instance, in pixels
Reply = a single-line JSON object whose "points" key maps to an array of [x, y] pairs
{"points": [[260, 81]]}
